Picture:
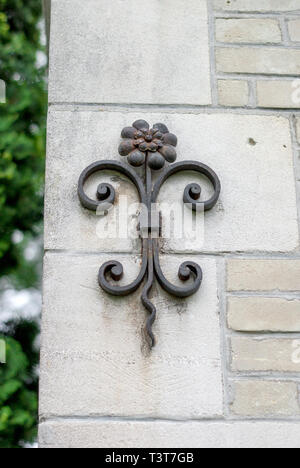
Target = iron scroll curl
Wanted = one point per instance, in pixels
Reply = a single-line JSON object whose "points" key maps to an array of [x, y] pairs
{"points": [[192, 192], [151, 148], [191, 197], [109, 196], [105, 198]]}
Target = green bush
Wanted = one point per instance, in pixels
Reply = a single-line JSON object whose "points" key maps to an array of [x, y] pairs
{"points": [[22, 135], [18, 389], [22, 151]]}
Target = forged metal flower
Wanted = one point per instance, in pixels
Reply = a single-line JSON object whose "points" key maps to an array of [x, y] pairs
{"points": [[155, 146], [139, 140]]}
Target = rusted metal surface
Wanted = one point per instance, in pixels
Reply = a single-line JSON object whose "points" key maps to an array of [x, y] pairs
{"points": [[156, 144], [153, 148]]}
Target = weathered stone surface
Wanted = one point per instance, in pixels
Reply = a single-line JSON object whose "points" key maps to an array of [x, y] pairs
{"points": [[263, 314], [265, 398], [278, 94], [248, 30], [257, 148], [94, 360], [102, 51], [294, 30], [263, 275], [256, 354], [298, 129], [100, 386], [265, 60], [233, 93], [76, 140], [128, 434], [257, 5]]}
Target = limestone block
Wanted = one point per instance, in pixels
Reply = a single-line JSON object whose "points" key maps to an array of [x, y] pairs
{"points": [[256, 354], [159, 434], [251, 154], [265, 398], [76, 140], [147, 51], [265, 60], [94, 359], [248, 30], [233, 93], [263, 314], [263, 275]]}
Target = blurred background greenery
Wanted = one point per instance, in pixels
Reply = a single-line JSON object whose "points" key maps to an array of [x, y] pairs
{"points": [[22, 155]]}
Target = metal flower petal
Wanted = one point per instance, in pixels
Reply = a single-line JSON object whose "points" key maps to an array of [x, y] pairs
{"points": [[126, 147], [156, 161], [136, 158], [170, 139], [169, 153], [161, 128], [129, 132], [141, 125]]}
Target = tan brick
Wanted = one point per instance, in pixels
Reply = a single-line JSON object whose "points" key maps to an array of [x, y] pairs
{"points": [[263, 314], [267, 60], [279, 94], [255, 354], [257, 5], [265, 398], [263, 275], [248, 30], [294, 30], [233, 93]]}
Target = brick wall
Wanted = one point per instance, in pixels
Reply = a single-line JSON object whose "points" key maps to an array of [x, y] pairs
{"points": [[225, 372], [256, 53]]}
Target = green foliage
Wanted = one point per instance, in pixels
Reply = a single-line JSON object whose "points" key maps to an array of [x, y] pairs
{"points": [[22, 150], [22, 135], [18, 389]]}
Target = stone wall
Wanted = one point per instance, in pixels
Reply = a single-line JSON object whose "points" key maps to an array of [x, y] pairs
{"points": [[225, 371]]}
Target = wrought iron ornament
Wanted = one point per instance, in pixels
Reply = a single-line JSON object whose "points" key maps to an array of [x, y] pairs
{"points": [[153, 148]]}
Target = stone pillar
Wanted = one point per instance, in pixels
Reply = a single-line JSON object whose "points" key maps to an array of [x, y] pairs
{"points": [[222, 358]]}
